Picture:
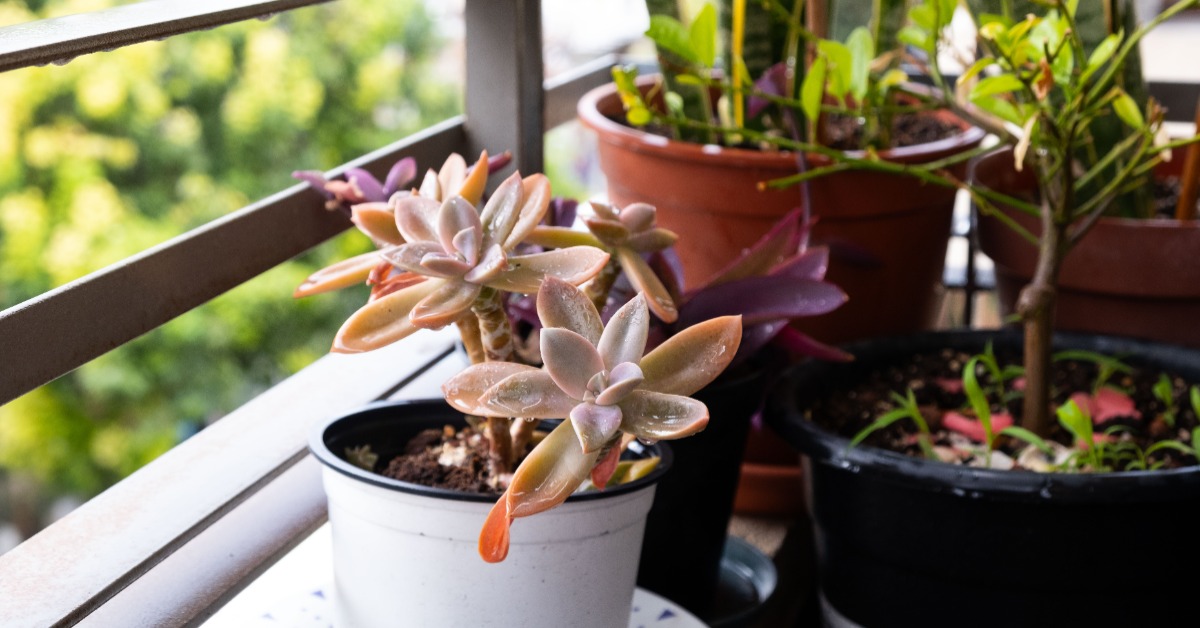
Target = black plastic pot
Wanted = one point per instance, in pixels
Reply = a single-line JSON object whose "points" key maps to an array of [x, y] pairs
{"points": [[687, 528], [904, 542]]}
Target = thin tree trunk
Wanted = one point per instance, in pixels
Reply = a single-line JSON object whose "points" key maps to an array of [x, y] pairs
{"points": [[496, 334], [1035, 305]]}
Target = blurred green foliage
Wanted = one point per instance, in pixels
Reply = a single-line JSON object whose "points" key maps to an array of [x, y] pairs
{"points": [[119, 151]]}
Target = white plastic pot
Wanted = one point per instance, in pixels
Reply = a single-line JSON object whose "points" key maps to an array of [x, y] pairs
{"points": [[406, 555]]}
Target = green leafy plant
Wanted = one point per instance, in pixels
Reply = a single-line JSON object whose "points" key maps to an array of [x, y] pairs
{"points": [[769, 73], [906, 408]]}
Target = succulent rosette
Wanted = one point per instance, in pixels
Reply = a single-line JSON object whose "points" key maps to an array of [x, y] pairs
{"points": [[457, 252], [597, 379]]}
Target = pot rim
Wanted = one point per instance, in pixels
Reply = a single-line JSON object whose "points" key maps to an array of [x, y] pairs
{"points": [[437, 407], [824, 447], [588, 110]]}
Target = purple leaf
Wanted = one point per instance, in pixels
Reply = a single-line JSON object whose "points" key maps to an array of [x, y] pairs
{"points": [[399, 176], [315, 178], [366, 183], [810, 264], [562, 212], [799, 344], [774, 82], [760, 299], [779, 243]]}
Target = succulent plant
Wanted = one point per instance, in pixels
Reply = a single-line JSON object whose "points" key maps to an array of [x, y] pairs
{"points": [[598, 378]]}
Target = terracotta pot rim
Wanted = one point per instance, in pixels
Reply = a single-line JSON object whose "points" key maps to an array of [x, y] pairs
{"points": [[591, 106]]}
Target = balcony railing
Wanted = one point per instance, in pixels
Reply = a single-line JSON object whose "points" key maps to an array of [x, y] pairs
{"points": [[171, 543]]}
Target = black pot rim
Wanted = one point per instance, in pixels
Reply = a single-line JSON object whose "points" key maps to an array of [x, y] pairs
{"points": [[438, 408], [824, 447]]}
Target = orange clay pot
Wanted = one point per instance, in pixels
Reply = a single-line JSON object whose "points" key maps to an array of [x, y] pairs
{"points": [[1126, 277], [887, 233]]}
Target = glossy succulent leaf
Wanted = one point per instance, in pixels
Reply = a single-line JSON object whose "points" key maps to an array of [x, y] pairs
{"points": [[692, 358], [532, 395], [659, 416], [574, 265], [560, 304], [644, 280], [595, 425], [416, 218], [571, 360], [377, 220], [382, 321], [464, 390], [347, 272], [447, 304], [624, 338]]}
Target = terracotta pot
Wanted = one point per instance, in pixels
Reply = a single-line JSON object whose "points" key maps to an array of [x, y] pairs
{"points": [[1126, 277], [408, 553], [902, 541], [888, 232], [771, 480]]}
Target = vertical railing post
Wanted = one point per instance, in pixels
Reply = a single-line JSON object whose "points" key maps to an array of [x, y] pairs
{"points": [[504, 95]]}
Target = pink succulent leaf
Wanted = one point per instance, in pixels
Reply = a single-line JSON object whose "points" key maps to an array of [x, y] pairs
{"points": [[464, 389], [493, 263], [347, 272], [448, 304], [799, 345], [603, 471], [624, 337], [760, 299], [637, 217], [402, 172], [455, 215], [468, 243], [570, 360], [314, 178], [654, 416], [610, 232], [595, 425], [450, 176], [529, 395], [535, 202], [604, 211], [345, 192], [411, 255], [440, 264], [622, 381], [367, 185], [560, 304], [377, 221], [574, 265], [651, 240], [811, 264], [550, 473], [496, 162], [416, 217], [384, 320], [502, 210], [430, 187], [645, 281], [693, 357], [772, 248]]}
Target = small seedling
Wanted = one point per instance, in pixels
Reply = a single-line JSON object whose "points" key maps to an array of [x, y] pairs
{"points": [[1106, 366], [906, 408], [1164, 392]]}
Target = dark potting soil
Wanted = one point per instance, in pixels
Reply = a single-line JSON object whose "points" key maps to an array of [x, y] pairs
{"points": [[908, 129], [849, 410], [449, 459], [1166, 196]]}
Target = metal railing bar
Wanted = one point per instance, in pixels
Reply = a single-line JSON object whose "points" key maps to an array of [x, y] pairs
{"points": [[56, 332], [60, 39], [71, 569]]}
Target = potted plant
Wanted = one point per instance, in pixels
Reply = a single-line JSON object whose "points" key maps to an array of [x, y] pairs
{"points": [[441, 262], [738, 106], [953, 472]]}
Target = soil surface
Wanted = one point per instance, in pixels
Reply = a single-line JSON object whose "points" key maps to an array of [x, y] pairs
{"points": [[908, 129], [449, 459], [935, 381]]}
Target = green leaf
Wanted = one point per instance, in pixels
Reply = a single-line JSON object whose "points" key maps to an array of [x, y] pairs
{"points": [[892, 78], [1000, 108], [1023, 434], [812, 91], [670, 34], [703, 36], [1127, 110], [992, 85], [861, 47], [975, 69], [1195, 399], [916, 36], [839, 71], [1076, 421], [1103, 52], [976, 397]]}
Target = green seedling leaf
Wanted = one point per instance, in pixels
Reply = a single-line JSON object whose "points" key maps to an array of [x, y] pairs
{"points": [[812, 90], [861, 47], [1165, 393], [1103, 52], [362, 457], [977, 398], [1076, 421], [1027, 436], [1194, 397], [670, 34], [702, 36], [1107, 365], [839, 72], [992, 85], [1127, 110], [906, 409]]}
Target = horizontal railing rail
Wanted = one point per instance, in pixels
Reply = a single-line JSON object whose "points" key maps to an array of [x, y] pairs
{"points": [[61, 39]]}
